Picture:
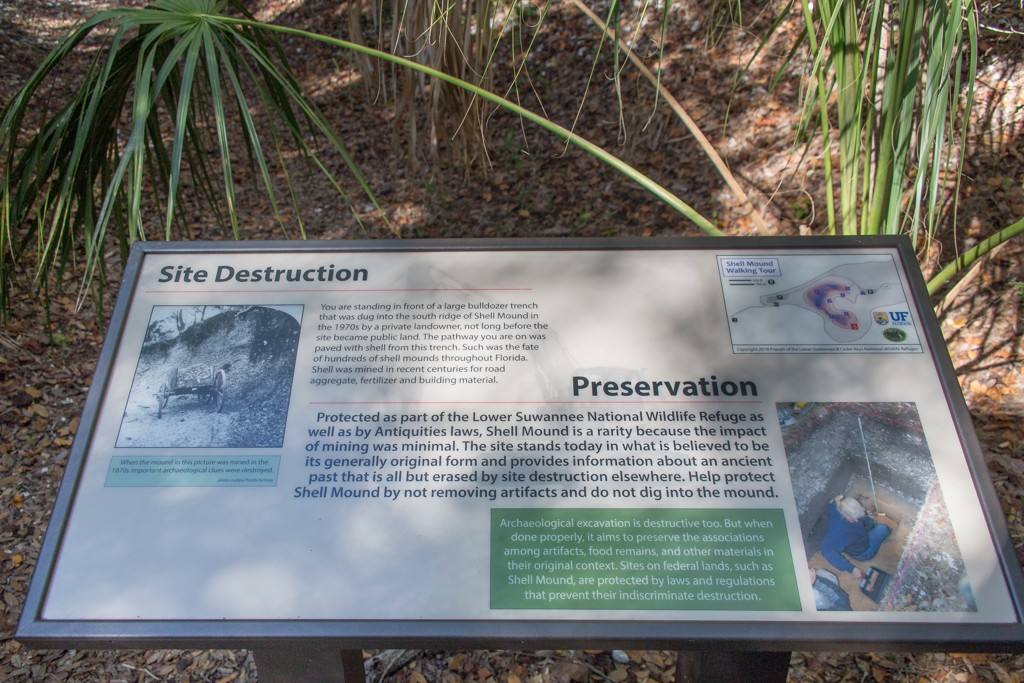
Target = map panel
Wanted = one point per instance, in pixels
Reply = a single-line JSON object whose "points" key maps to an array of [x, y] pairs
{"points": [[788, 304]]}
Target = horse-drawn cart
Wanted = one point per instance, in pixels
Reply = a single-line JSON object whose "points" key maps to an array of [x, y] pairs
{"points": [[202, 381]]}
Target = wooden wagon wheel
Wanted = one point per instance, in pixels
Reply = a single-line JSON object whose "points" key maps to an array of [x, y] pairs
{"points": [[161, 400], [219, 380], [166, 389]]}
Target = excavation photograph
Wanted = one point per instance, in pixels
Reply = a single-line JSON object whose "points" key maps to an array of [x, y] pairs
{"points": [[875, 527]]}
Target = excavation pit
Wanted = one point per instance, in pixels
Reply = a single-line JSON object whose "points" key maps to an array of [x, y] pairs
{"points": [[877, 453]]}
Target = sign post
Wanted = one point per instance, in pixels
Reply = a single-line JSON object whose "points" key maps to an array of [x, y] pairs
{"points": [[737, 447]]}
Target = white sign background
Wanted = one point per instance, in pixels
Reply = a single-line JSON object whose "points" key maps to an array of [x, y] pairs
{"points": [[181, 553]]}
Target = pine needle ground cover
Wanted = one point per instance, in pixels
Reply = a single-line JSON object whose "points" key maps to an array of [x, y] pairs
{"points": [[530, 186]]}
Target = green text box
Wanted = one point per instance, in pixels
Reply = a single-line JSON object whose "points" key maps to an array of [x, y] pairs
{"points": [[641, 559]]}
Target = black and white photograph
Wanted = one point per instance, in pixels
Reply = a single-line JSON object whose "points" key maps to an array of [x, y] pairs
{"points": [[213, 377]]}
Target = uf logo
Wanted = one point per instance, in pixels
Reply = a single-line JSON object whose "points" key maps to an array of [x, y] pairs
{"points": [[899, 316]]}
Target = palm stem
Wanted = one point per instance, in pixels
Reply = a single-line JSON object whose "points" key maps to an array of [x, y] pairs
{"points": [[972, 255], [680, 111], [561, 132]]}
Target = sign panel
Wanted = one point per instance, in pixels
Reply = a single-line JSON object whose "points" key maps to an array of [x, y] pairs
{"points": [[675, 433]]}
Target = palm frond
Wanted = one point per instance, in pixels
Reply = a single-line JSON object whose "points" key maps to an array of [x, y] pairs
{"points": [[173, 68]]}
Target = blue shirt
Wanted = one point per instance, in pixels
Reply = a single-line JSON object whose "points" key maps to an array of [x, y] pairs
{"points": [[844, 536]]}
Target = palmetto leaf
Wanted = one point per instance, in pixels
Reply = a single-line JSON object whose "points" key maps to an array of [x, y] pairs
{"points": [[171, 79], [173, 69]]}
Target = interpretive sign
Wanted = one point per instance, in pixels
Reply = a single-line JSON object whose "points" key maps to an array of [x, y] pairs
{"points": [[752, 442]]}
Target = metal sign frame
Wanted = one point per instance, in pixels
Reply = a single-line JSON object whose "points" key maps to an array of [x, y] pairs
{"points": [[734, 635]]}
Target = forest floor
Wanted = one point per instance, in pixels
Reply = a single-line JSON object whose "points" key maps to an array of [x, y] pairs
{"points": [[531, 186]]}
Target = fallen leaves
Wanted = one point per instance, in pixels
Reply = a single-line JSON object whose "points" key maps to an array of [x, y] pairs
{"points": [[42, 385], [545, 666], [38, 409]]}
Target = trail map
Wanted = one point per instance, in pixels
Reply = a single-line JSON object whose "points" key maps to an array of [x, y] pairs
{"points": [[779, 304]]}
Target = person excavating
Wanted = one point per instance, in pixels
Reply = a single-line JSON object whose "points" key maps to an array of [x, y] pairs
{"points": [[853, 532]]}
